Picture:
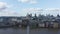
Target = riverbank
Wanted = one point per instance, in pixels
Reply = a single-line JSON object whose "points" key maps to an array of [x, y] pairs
{"points": [[24, 27]]}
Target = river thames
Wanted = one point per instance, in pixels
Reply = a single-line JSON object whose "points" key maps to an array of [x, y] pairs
{"points": [[31, 31]]}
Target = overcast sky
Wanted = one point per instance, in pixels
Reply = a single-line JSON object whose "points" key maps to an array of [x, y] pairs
{"points": [[22, 7]]}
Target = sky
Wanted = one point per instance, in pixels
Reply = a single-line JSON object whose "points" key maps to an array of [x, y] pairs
{"points": [[23, 7]]}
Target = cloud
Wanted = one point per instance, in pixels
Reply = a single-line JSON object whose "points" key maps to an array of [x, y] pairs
{"points": [[28, 1], [3, 6], [24, 11], [5, 10], [51, 11], [9, 13], [31, 11], [33, 2], [23, 1]]}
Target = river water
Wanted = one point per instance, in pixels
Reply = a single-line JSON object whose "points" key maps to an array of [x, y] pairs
{"points": [[31, 31]]}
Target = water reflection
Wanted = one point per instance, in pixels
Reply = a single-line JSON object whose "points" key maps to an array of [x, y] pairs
{"points": [[53, 31], [45, 31], [28, 29], [31, 31]]}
